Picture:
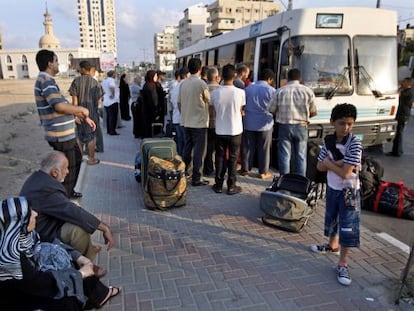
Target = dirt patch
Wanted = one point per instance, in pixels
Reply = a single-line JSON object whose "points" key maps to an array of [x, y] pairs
{"points": [[22, 142]]}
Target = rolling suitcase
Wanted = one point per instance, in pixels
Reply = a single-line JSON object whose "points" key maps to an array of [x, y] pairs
{"points": [[162, 173], [164, 148]]}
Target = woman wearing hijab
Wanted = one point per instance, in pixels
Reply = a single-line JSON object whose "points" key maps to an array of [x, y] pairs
{"points": [[39, 275], [151, 106], [124, 96]]}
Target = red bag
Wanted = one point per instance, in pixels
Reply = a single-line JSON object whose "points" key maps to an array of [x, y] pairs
{"points": [[394, 199]]}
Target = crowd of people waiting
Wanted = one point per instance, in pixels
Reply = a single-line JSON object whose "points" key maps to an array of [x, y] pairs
{"points": [[221, 120]]}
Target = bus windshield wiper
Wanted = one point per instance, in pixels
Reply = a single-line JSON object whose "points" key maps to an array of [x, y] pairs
{"points": [[367, 77], [338, 83]]}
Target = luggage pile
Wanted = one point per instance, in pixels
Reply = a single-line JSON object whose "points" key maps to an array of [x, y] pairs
{"points": [[162, 174]]}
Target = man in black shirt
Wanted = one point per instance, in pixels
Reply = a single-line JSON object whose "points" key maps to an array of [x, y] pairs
{"points": [[402, 117]]}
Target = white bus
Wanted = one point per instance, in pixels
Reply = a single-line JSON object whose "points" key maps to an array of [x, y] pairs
{"points": [[345, 54]]}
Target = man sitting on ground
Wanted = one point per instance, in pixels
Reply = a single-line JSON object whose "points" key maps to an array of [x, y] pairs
{"points": [[58, 216]]}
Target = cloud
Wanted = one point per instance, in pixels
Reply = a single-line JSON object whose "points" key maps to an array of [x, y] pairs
{"points": [[163, 17], [127, 17], [65, 8]]}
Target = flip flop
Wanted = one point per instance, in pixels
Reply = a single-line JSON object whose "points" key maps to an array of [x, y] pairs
{"points": [[113, 291]]}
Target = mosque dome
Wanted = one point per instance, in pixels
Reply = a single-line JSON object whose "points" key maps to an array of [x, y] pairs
{"points": [[48, 40]]}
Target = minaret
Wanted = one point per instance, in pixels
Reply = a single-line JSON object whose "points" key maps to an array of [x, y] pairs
{"points": [[48, 40]]}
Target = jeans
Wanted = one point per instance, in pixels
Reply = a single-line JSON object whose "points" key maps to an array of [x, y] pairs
{"points": [[179, 135], [194, 150], [256, 142], [341, 219], [232, 144], [293, 141]]}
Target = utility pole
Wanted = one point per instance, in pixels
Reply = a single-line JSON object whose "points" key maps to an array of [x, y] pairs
{"points": [[378, 4], [144, 50]]}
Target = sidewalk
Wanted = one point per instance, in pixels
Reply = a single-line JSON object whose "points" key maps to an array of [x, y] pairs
{"points": [[215, 254]]}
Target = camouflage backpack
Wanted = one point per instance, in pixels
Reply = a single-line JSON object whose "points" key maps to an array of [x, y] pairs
{"points": [[166, 184]]}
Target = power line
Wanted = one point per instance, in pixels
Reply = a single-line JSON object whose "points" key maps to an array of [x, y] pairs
{"points": [[406, 19]]}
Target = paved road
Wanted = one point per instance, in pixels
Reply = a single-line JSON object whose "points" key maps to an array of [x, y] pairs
{"points": [[215, 254]]}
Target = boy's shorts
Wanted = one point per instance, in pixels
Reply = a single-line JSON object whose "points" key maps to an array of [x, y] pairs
{"points": [[342, 220]]}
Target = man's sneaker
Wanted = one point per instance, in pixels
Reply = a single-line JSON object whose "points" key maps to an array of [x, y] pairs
{"points": [[343, 275], [324, 249]]}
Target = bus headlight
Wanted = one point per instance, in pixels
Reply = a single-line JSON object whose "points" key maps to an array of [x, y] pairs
{"points": [[386, 128]]}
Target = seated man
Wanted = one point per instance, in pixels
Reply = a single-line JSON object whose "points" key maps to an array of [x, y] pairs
{"points": [[58, 216]]}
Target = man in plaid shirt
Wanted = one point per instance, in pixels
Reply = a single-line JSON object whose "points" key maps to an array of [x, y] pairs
{"points": [[293, 105]]}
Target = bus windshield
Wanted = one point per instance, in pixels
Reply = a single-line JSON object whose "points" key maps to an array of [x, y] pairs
{"points": [[323, 62], [375, 60]]}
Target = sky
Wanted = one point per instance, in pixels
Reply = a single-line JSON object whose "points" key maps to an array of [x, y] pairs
{"points": [[137, 20]]}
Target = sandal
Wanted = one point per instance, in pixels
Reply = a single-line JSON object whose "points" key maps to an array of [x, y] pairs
{"points": [[93, 161], [112, 292]]}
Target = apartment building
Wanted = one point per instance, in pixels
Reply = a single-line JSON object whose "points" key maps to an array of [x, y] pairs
{"points": [[227, 15], [165, 47], [193, 26], [97, 25]]}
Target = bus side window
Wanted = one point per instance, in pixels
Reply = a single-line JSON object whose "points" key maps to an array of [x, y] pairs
{"points": [[239, 53]]}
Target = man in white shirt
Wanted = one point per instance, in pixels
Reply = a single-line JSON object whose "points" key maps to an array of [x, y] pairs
{"points": [[228, 102], [110, 102]]}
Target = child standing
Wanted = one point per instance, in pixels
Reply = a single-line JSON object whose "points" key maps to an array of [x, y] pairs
{"points": [[340, 157]]}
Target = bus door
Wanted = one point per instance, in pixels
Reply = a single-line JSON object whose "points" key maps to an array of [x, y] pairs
{"points": [[269, 55]]}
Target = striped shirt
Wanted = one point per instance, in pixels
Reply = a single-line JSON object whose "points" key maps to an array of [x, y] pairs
{"points": [[293, 103], [351, 148], [59, 127], [89, 92]]}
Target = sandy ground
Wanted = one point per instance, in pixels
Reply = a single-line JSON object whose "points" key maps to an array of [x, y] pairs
{"points": [[22, 142]]}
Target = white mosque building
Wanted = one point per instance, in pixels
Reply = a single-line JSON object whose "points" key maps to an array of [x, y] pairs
{"points": [[21, 63]]}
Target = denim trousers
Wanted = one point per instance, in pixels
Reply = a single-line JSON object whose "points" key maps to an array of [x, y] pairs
{"points": [[293, 141], [259, 143], [179, 136], [342, 220], [195, 150]]}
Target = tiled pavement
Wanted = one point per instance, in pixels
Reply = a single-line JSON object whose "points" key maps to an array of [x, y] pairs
{"points": [[215, 254]]}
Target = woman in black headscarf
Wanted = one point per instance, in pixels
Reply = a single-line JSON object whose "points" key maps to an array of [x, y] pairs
{"points": [[124, 96], [39, 275], [151, 108]]}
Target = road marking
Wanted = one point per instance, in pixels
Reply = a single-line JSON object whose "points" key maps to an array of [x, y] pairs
{"points": [[385, 236]]}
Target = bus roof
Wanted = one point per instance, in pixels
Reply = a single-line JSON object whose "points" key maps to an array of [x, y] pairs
{"points": [[310, 21]]}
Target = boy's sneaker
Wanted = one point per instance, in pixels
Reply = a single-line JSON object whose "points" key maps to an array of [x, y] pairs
{"points": [[324, 249], [343, 275]]}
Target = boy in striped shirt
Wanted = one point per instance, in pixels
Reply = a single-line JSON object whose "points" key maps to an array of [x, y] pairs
{"points": [[340, 157]]}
